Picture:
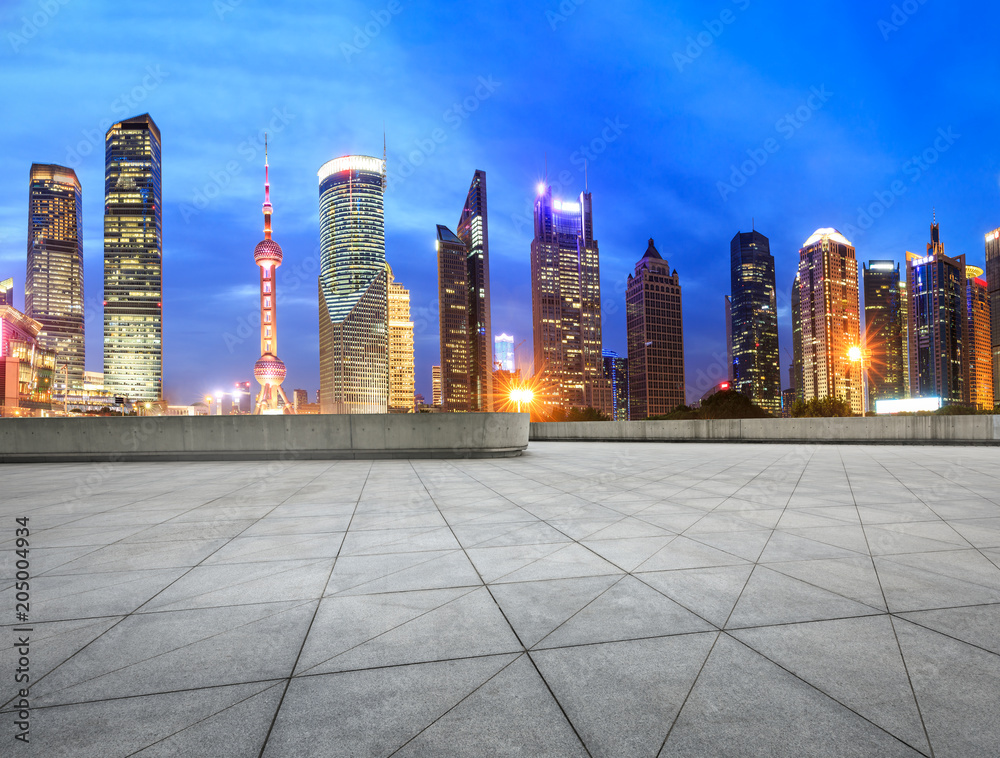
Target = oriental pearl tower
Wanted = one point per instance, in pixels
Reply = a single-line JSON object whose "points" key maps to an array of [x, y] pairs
{"points": [[269, 371]]}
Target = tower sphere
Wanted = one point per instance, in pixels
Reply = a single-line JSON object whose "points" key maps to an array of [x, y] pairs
{"points": [[269, 369], [267, 251]]}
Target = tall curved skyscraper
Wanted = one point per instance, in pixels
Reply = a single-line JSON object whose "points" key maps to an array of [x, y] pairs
{"points": [[353, 287]]}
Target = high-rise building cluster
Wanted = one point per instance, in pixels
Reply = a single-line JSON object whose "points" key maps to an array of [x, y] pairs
{"points": [[930, 329]]}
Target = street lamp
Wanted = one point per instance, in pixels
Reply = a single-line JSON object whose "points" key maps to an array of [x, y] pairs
{"points": [[857, 354], [520, 395]]}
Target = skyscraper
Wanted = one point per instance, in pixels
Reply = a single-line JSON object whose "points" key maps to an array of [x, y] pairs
{"points": [[565, 300], [269, 370], [830, 314], [885, 326], [937, 323], [436, 385], [353, 287], [756, 362], [53, 286], [133, 260], [473, 230], [454, 328], [504, 353], [904, 320], [7, 292], [616, 374], [795, 370], [401, 379], [655, 337], [979, 393], [993, 283]]}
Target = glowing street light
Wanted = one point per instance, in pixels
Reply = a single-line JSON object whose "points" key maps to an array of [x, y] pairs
{"points": [[856, 354], [520, 395]]}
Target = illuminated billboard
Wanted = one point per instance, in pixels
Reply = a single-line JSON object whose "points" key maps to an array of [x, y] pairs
{"points": [[910, 405]]}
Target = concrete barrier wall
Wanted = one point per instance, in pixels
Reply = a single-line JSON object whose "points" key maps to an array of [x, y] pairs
{"points": [[194, 438], [965, 430]]}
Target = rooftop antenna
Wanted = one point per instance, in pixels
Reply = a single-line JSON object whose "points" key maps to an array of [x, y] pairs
{"points": [[753, 224]]}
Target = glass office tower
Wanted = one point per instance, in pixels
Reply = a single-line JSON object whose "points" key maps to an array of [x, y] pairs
{"points": [[473, 230], [353, 287], [53, 285], [885, 326], [979, 360], [133, 260], [938, 323], [756, 367], [566, 301]]}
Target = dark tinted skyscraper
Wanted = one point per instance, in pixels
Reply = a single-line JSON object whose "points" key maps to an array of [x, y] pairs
{"points": [[938, 323], [655, 337], [454, 322], [754, 321], [353, 287], [993, 283], [616, 374], [473, 230], [133, 260], [53, 286], [566, 300], [885, 326]]}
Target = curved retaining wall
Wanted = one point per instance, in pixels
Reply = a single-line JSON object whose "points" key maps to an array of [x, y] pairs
{"points": [[890, 430], [215, 438]]}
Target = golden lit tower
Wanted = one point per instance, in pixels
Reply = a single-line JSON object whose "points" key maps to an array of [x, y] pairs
{"points": [[830, 317], [979, 388], [269, 371]]}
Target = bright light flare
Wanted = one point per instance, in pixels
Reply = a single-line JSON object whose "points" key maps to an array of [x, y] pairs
{"points": [[855, 354]]}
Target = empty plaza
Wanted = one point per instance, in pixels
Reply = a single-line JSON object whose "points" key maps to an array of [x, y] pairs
{"points": [[583, 599]]}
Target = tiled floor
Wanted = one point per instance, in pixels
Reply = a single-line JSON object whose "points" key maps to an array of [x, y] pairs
{"points": [[585, 599]]}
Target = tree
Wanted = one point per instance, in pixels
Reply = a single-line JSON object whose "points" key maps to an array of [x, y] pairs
{"points": [[578, 414], [722, 405], [821, 407]]}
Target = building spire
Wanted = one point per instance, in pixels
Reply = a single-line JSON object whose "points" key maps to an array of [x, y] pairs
{"points": [[586, 182], [267, 194]]}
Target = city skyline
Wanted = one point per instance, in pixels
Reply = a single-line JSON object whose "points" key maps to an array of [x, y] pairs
{"points": [[211, 186]]}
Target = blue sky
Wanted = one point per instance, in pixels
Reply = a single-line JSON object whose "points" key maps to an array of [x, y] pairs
{"points": [[816, 110]]}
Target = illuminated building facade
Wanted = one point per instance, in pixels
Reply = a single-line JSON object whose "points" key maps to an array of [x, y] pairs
{"points": [[616, 374], [655, 337], [993, 283], [753, 330], [269, 370], [937, 323], [27, 371], [133, 260], [53, 286], [353, 287], [904, 317], [455, 328], [401, 375], [436, 386], [473, 230], [830, 315], [978, 341], [565, 300], [7, 292], [503, 353], [885, 326], [795, 370]]}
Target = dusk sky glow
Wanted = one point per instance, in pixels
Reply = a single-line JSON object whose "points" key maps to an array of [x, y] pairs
{"points": [[694, 119]]}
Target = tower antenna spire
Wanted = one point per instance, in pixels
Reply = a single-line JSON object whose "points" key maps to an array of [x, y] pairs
{"points": [[267, 193], [586, 180], [385, 160]]}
